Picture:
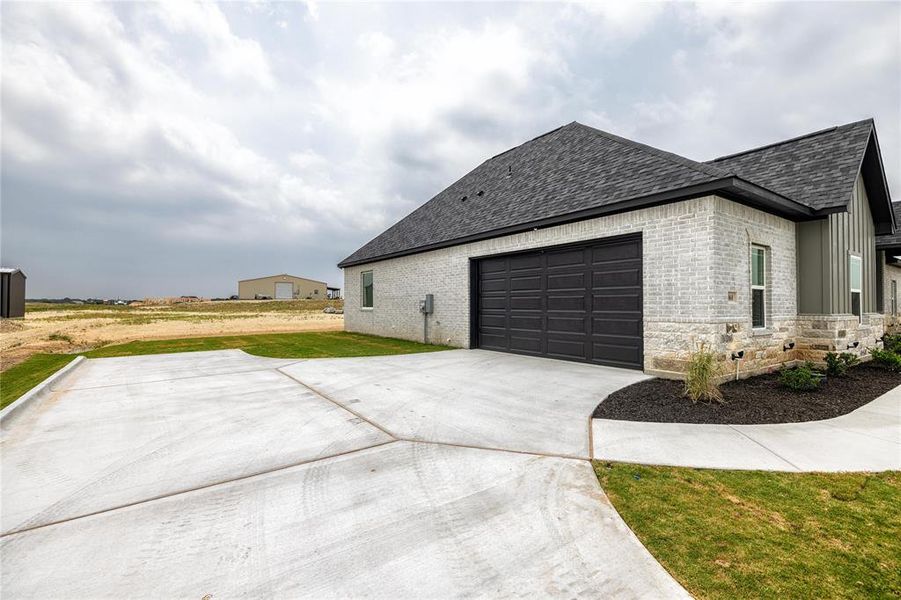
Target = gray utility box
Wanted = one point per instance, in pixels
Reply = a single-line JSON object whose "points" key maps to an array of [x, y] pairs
{"points": [[427, 305]]}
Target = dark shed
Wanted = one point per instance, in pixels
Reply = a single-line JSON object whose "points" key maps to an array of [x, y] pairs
{"points": [[12, 293]]}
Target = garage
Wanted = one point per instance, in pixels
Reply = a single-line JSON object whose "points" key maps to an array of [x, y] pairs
{"points": [[284, 290], [578, 302]]}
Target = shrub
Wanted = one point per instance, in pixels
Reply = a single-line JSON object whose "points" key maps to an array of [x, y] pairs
{"points": [[59, 337], [700, 376], [887, 359], [892, 343], [837, 365], [800, 379]]}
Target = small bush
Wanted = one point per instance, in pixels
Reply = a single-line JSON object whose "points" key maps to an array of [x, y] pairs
{"points": [[886, 359], [700, 376], [800, 379], [837, 365], [892, 343], [59, 337]]}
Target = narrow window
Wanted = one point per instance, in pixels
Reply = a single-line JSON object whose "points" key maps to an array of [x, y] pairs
{"points": [[758, 287], [855, 276], [367, 289], [894, 298]]}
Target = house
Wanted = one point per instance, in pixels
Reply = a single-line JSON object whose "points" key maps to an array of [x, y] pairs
{"points": [[281, 287], [12, 293], [587, 246], [889, 248]]}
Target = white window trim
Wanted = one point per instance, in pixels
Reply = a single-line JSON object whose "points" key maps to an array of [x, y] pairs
{"points": [[853, 290], [758, 287], [363, 291]]}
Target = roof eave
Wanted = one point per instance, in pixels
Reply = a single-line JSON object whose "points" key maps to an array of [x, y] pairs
{"points": [[734, 188]]}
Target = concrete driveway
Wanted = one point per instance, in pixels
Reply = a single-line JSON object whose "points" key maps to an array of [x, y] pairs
{"points": [[433, 475]]}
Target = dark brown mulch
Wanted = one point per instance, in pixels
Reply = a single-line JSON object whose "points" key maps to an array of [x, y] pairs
{"points": [[749, 401]]}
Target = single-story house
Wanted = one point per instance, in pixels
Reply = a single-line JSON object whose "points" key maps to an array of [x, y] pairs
{"points": [[12, 293], [587, 246], [281, 287], [889, 246]]}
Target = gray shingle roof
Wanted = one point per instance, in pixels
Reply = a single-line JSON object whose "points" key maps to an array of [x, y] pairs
{"points": [[566, 170], [817, 170], [578, 168], [891, 240]]}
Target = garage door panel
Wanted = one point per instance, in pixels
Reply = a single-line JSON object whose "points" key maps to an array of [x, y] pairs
{"points": [[525, 323], [566, 281], [493, 303], [606, 253], [579, 303], [566, 258], [565, 325], [561, 348], [494, 285], [525, 302], [525, 344], [616, 303], [575, 302], [627, 355], [525, 261], [624, 327], [491, 320], [530, 283], [618, 278]]}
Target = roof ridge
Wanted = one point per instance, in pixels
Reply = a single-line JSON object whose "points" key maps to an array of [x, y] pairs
{"points": [[664, 154], [790, 140], [537, 137]]}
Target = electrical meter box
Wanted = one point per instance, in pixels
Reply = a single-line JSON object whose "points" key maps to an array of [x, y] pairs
{"points": [[427, 304]]}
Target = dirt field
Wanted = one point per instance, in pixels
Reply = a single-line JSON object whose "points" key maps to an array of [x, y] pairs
{"points": [[72, 328]]}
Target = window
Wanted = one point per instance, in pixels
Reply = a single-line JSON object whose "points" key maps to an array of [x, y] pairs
{"points": [[758, 287], [894, 297], [366, 296], [855, 274]]}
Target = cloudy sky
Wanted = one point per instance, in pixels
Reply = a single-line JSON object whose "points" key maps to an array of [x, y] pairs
{"points": [[165, 149]]}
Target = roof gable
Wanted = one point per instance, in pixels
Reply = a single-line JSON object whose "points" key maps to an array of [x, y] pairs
{"points": [[818, 169]]}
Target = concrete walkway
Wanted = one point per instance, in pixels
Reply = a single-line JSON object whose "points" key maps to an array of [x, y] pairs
{"points": [[867, 439], [229, 475]]}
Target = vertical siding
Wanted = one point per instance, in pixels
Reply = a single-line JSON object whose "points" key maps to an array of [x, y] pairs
{"points": [[853, 232], [814, 276]]}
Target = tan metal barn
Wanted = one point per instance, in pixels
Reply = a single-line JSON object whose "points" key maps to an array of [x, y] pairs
{"points": [[281, 287]]}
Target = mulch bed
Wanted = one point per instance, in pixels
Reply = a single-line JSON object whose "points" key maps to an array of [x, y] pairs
{"points": [[755, 400]]}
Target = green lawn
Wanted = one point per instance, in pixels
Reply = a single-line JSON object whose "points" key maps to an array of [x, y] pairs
{"points": [[277, 345], [753, 534], [17, 380]]}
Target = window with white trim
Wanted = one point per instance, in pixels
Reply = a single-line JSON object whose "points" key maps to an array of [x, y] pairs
{"points": [[366, 288], [758, 287], [855, 277]]}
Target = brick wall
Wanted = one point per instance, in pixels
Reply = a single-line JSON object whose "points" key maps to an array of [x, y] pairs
{"points": [[696, 286]]}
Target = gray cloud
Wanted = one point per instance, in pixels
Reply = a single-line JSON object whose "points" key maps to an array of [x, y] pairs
{"points": [[155, 149]]}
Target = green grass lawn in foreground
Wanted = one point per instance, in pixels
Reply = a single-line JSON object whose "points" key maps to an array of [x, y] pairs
{"points": [[755, 534], [276, 345], [20, 378]]}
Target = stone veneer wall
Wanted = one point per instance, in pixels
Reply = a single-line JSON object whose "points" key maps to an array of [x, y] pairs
{"points": [[820, 334]]}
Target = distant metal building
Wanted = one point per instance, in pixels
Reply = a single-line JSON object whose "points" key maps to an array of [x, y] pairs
{"points": [[12, 293], [334, 293], [281, 287]]}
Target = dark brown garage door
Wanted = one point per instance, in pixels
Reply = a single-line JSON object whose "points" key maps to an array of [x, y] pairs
{"points": [[576, 302]]}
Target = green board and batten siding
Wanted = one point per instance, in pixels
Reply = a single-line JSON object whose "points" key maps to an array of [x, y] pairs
{"points": [[824, 248]]}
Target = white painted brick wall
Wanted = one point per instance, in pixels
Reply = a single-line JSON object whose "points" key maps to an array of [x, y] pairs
{"points": [[695, 252]]}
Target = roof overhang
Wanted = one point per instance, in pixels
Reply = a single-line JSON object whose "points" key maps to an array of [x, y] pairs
{"points": [[873, 173], [732, 188]]}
